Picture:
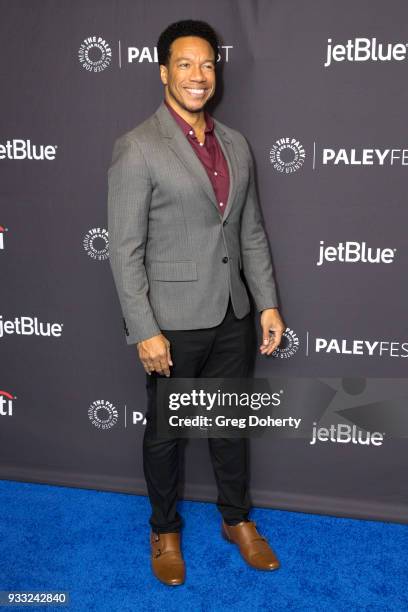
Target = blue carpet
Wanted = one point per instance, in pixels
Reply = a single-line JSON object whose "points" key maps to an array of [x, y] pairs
{"points": [[94, 544]]}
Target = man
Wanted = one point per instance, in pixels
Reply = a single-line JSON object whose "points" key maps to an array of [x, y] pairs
{"points": [[184, 222]]}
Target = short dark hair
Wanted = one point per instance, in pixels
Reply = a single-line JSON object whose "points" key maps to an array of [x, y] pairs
{"points": [[188, 27]]}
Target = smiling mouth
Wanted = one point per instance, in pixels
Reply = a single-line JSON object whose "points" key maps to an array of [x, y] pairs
{"points": [[196, 92]]}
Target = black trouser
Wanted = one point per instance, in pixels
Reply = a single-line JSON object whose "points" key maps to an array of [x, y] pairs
{"points": [[226, 350]]}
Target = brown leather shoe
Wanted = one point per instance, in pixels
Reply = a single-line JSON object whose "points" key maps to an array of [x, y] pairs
{"points": [[253, 547], [167, 561]]}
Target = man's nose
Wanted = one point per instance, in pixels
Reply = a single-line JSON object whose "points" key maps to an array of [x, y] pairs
{"points": [[197, 74]]}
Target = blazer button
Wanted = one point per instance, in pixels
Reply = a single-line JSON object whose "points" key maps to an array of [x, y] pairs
{"points": [[225, 222], [225, 260]]}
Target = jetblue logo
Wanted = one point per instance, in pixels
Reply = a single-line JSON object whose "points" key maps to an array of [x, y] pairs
{"points": [[346, 434], [364, 50], [354, 252], [25, 149], [29, 326]]}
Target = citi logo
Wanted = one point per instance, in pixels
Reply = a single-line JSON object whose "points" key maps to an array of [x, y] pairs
{"points": [[363, 50], [3, 230], [352, 252], [24, 149], [29, 326], [6, 403], [367, 348], [346, 434]]}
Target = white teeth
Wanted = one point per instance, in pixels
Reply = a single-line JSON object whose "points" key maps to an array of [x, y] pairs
{"points": [[195, 91]]}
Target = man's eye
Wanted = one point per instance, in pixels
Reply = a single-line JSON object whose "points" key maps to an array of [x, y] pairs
{"points": [[184, 64]]}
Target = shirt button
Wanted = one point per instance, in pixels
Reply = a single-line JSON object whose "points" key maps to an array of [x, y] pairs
{"points": [[201, 144], [225, 260], [191, 132], [221, 204], [215, 173]]}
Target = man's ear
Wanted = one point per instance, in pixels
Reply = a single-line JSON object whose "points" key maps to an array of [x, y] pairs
{"points": [[163, 74]]}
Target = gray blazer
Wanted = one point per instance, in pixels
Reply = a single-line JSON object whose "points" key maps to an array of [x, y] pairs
{"points": [[175, 259]]}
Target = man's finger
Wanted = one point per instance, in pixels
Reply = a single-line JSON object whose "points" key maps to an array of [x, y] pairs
{"points": [[160, 363], [273, 344], [169, 355], [266, 339], [148, 364], [164, 365]]}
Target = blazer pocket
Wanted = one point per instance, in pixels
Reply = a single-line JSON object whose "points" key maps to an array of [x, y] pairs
{"points": [[172, 270]]}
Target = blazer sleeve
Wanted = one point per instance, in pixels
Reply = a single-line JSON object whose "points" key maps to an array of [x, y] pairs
{"points": [[129, 197], [255, 253]]}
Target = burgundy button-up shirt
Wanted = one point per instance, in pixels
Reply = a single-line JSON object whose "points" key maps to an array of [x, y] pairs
{"points": [[210, 154]]}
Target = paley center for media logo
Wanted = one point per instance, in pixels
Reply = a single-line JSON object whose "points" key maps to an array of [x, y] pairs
{"points": [[289, 345], [6, 403], [103, 414], [96, 243], [354, 252], [29, 326], [288, 155], [95, 54], [364, 50]]}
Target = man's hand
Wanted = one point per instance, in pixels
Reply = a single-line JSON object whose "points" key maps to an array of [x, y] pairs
{"points": [[154, 353], [271, 322]]}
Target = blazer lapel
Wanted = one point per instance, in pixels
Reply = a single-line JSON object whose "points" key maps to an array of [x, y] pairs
{"points": [[229, 153], [178, 143]]}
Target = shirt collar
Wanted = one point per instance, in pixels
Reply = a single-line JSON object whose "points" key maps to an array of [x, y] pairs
{"points": [[186, 127]]}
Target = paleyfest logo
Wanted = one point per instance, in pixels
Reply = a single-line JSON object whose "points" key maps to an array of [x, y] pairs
{"points": [[365, 348], [96, 243], [287, 155], [149, 54], [288, 346], [95, 54], [103, 414]]}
